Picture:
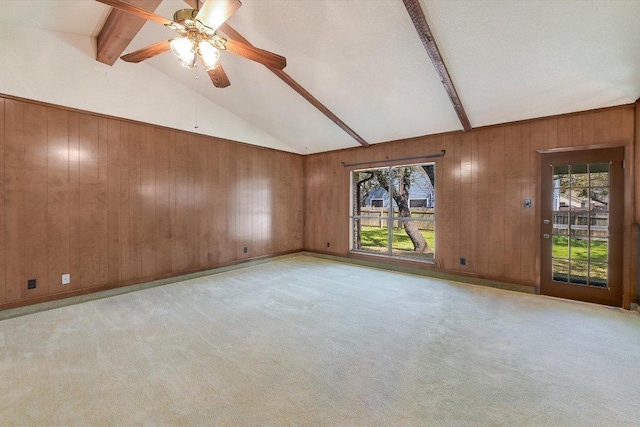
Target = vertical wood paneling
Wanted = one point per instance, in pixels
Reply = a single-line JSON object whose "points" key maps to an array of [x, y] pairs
{"points": [[197, 166], [35, 199], [329, 203], [113, 202], [270, 208], [162, 205], [472, 263], [218, 193], [211, 179], [135, 218], [180, 193], [565, 132], [13, 199], [577, 130], [552, 133], [528, 191], [147, 218], [467, 247], [58, 198], [103, 212], [496, 201], [2, 217], [89, 205], [280, 195], [114, 137], [446, 213], [513, 201], [74, 201], [609, 125], [206, 219], [228, 193], [457, 202], [190, 216], [341, 205], [296, 203], [590, 133], [484, 202], [258, 206], [636, 161], [124, 202]]}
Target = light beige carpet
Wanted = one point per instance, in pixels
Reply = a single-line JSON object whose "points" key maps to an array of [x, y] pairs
{"points": [[305, 341]]}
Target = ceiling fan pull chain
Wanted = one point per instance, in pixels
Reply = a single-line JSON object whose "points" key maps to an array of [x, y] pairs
{"points": [[195, 69]]}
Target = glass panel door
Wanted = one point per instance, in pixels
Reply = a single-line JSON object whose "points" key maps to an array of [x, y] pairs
{"points": [[581, 225]]}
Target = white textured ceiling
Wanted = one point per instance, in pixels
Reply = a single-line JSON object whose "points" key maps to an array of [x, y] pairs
{"points": [[361, 58]]}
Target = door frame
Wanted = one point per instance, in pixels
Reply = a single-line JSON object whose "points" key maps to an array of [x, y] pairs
{"points": [[615, 294]]}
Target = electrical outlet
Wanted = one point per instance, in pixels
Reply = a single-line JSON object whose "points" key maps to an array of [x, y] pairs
{"points": [[66, 279], [31, 284], [246, 249], [463, 261]]}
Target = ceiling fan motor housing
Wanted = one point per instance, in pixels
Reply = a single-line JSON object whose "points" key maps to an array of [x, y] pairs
{"points": [[183, 15]]}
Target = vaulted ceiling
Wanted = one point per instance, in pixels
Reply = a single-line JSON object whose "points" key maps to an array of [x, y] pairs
{"points": [[362, 59]]}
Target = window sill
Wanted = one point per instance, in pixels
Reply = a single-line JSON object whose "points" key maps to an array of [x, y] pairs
{"points": [[429, 261]]}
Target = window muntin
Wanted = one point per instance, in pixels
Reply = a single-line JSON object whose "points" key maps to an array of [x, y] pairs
{"points": [[393, 211]]}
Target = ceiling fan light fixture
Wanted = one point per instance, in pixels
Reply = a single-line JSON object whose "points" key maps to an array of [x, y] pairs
{"points": [[209, 54], [184, 49]]}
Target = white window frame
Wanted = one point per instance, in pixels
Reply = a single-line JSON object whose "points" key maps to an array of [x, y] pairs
{"points": [[390, 218]]}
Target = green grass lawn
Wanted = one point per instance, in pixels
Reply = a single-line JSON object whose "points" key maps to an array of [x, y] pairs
{"points": [[579, 249], [579, 255], [376, 238]]}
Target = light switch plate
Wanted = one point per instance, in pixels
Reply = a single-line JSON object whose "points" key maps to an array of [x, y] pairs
{"points": [[66, 279]]}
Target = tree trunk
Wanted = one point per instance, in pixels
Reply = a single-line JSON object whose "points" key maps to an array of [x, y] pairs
{"points": [[430, 171], [401, 197], [419, 243], [358, 233]]}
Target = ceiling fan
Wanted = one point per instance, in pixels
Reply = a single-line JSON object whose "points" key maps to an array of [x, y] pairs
{"points": [[198, 38]]}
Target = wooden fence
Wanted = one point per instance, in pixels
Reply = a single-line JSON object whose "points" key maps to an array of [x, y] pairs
{"points": [[377, 217]]}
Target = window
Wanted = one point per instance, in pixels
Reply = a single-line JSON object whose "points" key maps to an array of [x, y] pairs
{"points": [[393, 211], [418, 203], [377, 203]]}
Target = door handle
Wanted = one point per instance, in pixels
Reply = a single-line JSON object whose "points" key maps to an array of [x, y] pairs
{"points": [[545, 236]]}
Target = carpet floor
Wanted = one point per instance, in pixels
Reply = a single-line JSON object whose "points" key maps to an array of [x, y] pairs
{"points": [[306, 341]]}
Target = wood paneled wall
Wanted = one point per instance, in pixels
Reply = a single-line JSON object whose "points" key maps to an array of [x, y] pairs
{"points": [[481, 185], [113, 202]]}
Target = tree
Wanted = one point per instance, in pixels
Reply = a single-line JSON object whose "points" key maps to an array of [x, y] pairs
{"points": [[400, 194], [359, 197]]}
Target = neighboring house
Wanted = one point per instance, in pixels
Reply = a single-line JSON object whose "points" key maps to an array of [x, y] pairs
{"points": [[421, 195], [562, 202]]}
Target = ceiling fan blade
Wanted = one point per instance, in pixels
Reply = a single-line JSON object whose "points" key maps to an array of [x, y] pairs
{"points": [[265, 57], [147, 52], [214, 13], [135, 10], [219, 77]]}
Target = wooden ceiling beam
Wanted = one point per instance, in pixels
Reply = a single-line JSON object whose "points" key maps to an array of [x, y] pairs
{"points": [[424, 32], [119, 29], [233, 34]]}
